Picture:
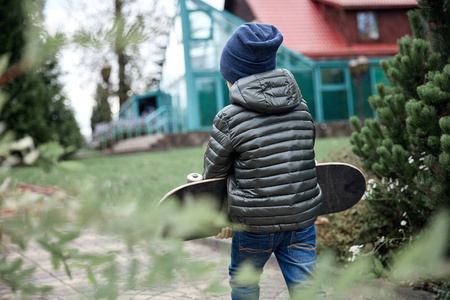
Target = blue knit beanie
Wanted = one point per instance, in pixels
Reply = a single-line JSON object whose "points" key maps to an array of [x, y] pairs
{"points": [[250, 50]]}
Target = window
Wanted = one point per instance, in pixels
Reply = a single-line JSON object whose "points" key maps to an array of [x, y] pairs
{"points": [[335, 105], [332, 76], [206, 88], [305, 82], [201, 25], [367, 25]]}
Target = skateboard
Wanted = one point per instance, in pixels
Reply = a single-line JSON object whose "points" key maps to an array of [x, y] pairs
{"points": [[343, 185]]}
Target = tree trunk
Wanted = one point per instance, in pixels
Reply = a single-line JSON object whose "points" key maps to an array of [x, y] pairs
{"points": [[123, 86], [121, 56]]}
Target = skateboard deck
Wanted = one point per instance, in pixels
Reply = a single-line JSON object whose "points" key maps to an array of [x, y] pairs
{"points": [[343, 185]]}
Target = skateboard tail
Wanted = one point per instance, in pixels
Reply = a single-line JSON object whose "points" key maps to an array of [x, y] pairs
{"points": [[342, 186]]}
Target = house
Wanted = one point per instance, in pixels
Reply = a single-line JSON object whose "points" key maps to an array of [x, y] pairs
{"points": [[332, 33], [321, 39], [332, 29]]}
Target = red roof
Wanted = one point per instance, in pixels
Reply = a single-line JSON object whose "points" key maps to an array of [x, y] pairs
{"points": [[306, 31], [369, 4]]}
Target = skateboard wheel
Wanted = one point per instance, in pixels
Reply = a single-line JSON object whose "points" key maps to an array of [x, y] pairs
{"points": [[193, 177]]}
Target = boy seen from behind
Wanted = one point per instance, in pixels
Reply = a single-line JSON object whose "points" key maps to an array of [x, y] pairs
{"points": [[264, 142]]}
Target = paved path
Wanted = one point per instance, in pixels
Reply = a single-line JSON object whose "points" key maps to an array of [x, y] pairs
{"points": [[272, 283], [211, 250]]}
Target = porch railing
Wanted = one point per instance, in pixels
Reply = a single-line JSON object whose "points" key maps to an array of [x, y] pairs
{"points": [[164, 120]]}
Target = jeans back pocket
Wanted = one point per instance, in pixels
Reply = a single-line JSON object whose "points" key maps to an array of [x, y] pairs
{"points": [[255, 247], [302, 247]]}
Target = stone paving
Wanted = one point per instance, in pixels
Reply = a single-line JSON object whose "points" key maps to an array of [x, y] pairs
{"points": [[210, 250], [79, 287]]}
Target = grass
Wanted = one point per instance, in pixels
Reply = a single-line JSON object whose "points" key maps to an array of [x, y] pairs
{"points": [[145, 176], [324, 146]]}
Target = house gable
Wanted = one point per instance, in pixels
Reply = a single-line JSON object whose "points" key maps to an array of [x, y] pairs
{"points": [[328, 29]]}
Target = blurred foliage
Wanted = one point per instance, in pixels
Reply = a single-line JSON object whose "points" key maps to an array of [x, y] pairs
{"points": [[150, 236], [35, 104], [150, 257], [55, 222], [424, 257], [153, 258]]}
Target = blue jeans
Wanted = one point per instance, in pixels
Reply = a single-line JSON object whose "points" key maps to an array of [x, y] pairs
{"points": [[295, 252]]}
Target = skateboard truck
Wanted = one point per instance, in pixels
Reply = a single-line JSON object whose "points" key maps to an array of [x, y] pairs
{"points": [[194, 177]]}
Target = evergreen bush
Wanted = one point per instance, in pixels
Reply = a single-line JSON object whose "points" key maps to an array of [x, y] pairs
{"points": [[407, 146]]}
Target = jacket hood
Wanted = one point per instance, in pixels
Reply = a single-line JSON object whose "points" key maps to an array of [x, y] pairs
{"points": [[270, 92]]}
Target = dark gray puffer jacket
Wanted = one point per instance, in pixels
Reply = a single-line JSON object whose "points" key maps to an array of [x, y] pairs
{"points": [[264, 141]]}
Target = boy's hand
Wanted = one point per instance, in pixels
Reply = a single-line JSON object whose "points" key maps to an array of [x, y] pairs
{"points": [[226, 233]]}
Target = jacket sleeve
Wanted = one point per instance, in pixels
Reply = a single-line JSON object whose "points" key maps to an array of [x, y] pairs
{"points": [[218, 160]]}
